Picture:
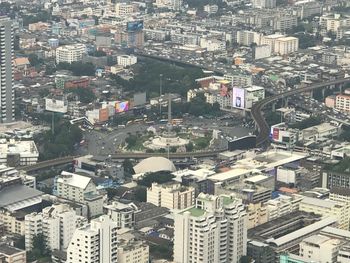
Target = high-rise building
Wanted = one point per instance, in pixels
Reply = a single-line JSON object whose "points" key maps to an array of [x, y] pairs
{"points": [[7, 92], [96, 242], [56, 223], [215, 230]]}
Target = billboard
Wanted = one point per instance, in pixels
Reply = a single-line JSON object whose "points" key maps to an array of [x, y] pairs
{"points": [[275, 134], [140, 99], [238, 98], [121, 106], [243, 143], [56, 105], [134, 26], [103, 115]]}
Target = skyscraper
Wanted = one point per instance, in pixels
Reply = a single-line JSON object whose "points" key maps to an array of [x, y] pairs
{"points": [[7, 93], [215, 230]]}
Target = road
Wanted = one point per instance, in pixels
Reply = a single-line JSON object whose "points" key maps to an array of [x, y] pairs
{"points": [[263, 127]]}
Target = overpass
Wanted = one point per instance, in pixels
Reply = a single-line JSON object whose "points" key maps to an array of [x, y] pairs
{"points": [[263, 127], [117, 156]]}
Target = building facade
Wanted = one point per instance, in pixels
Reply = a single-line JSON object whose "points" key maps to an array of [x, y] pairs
{"points": [[7, 92], [96, 242], [215, 230]]}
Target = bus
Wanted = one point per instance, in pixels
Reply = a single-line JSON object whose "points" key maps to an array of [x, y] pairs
{"points": [[176, 121], [163, 121]]}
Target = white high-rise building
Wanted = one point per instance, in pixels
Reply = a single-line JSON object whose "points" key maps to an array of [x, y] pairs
{"points": [[7, 92], [94, 243], [56, 223], [70, 53], [215, 230]]}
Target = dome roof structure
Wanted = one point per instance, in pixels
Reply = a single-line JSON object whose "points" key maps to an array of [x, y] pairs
{"points": [[154, 164]]}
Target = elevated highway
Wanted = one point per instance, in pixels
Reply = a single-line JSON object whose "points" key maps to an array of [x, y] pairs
{"points": [[263, 127], [119, 156]]}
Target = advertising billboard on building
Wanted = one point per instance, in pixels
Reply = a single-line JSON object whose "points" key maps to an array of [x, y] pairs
{"points": [[53, 105], [238, 98], [121, 106], [134, 26], [139, 99], [275, 134], [103, 115]]}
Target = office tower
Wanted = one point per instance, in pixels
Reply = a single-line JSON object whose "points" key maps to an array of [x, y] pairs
{"points": [[215, 230], [94, 243], [7, 92]]}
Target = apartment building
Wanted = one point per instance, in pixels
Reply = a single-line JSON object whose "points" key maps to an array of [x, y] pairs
{"points": [[126, 60], [131, 250], [286, 45], [342, 102], [70, 53], [96, 242], [332, 22], [56, 223], [171, 195], [80, 189], [214, 230]]}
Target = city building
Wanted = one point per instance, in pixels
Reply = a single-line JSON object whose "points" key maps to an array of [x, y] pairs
{"points": [[56, 223], [342, 102], [171, 195], [319, 248], [284, 234], [281, 44], [7, 91], [70, 53], [126, 60], [246, 38], [9, 254], [332, 22], [214, 230], [124, 9], [264, 3], [122, 213], [131, 250], [95, 242], [80, 189], [129, 39], [327, 208], [211, 9], [286, 45], [281, 206], [17, 153]]}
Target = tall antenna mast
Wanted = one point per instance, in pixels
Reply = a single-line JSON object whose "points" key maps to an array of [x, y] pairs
{"points": [[160, 94]]}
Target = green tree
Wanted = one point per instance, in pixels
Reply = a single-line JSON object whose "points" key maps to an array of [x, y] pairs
{"points": [[140, 194], [189, 147], [156, 177], [86, 95], [39, 249], [34, 60], [128, 167]]}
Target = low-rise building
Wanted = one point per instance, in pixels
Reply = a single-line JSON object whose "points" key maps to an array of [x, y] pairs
{"points": [[126, 60], [122, 213], [327, 208], [15, 153], [9, 254]]}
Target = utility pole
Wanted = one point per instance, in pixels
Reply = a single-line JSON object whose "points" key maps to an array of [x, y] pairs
{"points": [[53, 124], [160, 95]]}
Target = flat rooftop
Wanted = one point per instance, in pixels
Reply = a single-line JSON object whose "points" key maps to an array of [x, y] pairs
{"points": [[9, 250]]}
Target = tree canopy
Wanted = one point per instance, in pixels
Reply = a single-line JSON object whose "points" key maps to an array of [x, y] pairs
{"points": [[156, 177], [78, 68]]}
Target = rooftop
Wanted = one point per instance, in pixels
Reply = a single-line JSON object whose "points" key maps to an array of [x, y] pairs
{"points": [[13, 194], [196, 212], [74, 180], [9, 250]]}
